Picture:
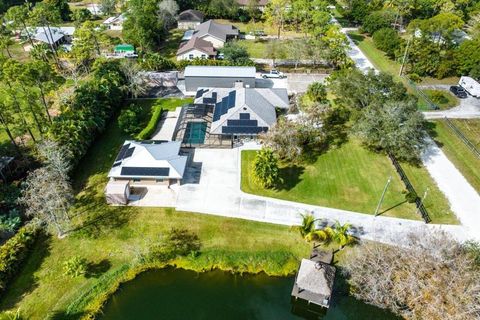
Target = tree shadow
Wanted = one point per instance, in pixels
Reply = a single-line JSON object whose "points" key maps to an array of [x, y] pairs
{"points": [[290, 177], [25, 282], [430, 127], [95, 270]]}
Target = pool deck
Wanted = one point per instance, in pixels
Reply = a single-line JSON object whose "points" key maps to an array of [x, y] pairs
{"points": [[166, 126]]}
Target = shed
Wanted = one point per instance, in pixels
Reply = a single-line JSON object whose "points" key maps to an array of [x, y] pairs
{"points": [[124, 48], [189, 19], [218, 77], [117, 192], [314, 283]]}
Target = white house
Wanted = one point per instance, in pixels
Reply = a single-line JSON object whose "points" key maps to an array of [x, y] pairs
{"points": [[196, 48], [114, 23]]}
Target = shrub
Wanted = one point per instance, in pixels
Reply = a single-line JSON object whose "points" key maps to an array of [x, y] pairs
{"points": [[387, 39], [155, 62], [129, 120], [75, 266], [14, 252], [317, 92], [438, 97], [235, 53], [152, 124], [10, 222], [265, 168], [411, 197], [414, 77]]}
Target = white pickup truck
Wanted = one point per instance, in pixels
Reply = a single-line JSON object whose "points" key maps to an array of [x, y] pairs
{"points": [[470, 85], [273, 74]]}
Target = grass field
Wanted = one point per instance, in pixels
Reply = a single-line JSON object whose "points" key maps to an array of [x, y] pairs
{"points": [[170, 46], [111, 236], [456, 150], [269, 29], [443, 99], [351, 178]]}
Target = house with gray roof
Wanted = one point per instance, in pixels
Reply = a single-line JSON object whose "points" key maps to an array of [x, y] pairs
{"points": [[216, 33], [242, 111], [261, 4], [190, 19], [218, 77], [53, 35]]}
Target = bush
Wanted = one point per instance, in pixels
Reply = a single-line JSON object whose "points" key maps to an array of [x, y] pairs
{"points": [[414, 77], [75, 267], [411, 197], [14, 252], [155, 62], [207, 62], [265, 168], [10, 222], [149, 130], [129, 120], [317, 92], [235, 53], [387, 40]]}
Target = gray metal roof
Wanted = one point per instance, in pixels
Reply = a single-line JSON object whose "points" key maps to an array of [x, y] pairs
{"points": [[190, 16], [216, 30], [197, 44], [219, 71]]}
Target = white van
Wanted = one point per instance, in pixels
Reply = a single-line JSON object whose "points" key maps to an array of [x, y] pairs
{"points": [[470, 85]]}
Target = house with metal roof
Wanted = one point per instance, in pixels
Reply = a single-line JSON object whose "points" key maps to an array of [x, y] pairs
{"points": [[261, 4], [53, 35], [115, 23], [218, 77], [242, 111], [216, 33], [149, 162], [189, 19], [196, 48]]}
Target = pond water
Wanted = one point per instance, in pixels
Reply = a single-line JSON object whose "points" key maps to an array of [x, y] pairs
{"points": [[180, 294]]}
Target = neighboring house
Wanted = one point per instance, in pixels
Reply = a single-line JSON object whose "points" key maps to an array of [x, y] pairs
{"points": [[94, 9], [53, 35], [242, 111], [196, 48], [189, 19], [216, 33], [149, 163], [261, 4], [218, 77], [115, 23]]}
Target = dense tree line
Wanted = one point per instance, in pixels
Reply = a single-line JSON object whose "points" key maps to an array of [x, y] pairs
{"points": [[433, 40]]}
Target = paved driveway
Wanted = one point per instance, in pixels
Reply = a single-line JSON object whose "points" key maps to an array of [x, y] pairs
{"points": [[468, 108]]}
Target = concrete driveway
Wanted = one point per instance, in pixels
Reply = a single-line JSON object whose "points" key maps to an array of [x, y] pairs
{"points": [[468, 108], [294, 82]]}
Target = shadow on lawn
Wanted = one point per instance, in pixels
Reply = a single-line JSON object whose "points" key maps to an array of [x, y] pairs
{"points": [[26, 282], [63, 315], [95, 270], [290, 177]]}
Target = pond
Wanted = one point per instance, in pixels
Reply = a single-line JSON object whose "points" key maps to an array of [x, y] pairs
{"points": [[180, 294]]}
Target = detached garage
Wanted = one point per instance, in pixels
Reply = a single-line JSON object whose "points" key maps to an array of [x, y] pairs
{"points": [[218, 77]]}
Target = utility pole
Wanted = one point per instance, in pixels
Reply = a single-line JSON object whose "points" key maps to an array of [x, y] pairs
{"points": [[404, 57], [383, 195]]}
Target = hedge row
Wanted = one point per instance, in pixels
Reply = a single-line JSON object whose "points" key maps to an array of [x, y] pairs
{"points": [[14, 252], [149, 130]]}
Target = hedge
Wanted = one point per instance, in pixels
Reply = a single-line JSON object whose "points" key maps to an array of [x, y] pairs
{"points": [[14, 252], [149, 130]]}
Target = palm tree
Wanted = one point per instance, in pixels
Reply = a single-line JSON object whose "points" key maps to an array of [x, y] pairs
{"points": [[307, 226], [310, 233], [341, 236]]}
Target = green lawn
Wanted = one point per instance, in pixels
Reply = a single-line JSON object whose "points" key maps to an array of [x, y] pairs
{"points": [[170, 46], [111, 236], [269, 29], [351, 178], [443, 99], [456, 150]]}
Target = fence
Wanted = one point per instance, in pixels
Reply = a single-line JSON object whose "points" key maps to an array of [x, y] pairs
{"points": [[465, 140], [421, 94], [420, 207]]}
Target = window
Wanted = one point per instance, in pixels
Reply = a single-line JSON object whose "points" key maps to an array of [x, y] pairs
{"points": [[204, 56], [190, 56], [159, 180], [137, 180]]}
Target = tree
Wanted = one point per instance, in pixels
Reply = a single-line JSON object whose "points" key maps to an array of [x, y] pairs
{"points": [[128, 121], [75, 266], [275, 14], [335, 45], [81, 15], [341, 234], [265, 168], [19, 16], [108, 7], [473, 25], [60, 8], [377, 20], [135, 79], [396, 127], [47, 193], [467, 57], [167, 13], [428, 276], [6, 120], [235, 53], [252, 9], [142, 26], [222, 8], [5, 43], [354, 89], [387, 40]]}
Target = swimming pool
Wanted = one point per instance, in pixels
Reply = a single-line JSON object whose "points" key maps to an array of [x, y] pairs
{"points": [[195, 133]]}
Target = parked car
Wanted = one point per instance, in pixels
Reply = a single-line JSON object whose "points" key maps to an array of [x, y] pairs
{"points": [[470, 85], [459, 92], [274, 74]]}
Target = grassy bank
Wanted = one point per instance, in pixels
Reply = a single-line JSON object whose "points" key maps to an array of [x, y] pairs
{"points": [[456, 150], [109, 237], [351, 178]]}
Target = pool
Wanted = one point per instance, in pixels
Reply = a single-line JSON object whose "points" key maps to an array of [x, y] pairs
{"points": [[195, 133]]}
